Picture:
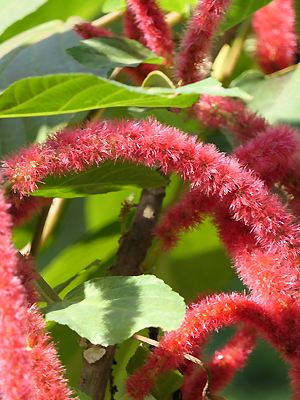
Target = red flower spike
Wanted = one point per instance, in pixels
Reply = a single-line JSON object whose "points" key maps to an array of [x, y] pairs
{"points": [[132, 31], [24, 353], [88, 31], [266, 245], [150, 19], [195, 46], [47, 370], [271, 154], [222, 367], [201, 319], [275, 28], [214, 176], [230, 114], [27, 276], [16, 379]]}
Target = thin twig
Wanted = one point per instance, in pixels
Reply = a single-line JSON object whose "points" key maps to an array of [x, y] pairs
{"points": [[172, 18], [108, 18], [37, 236], [45, 226], [46, 293]]}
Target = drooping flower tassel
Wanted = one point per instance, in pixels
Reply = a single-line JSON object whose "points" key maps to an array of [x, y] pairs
{"points": [[194, 51], [151, 22], [222, 367], [28, 362], [275, 28], [218, 179], [201, 319], [88, 31], [132, 31]]}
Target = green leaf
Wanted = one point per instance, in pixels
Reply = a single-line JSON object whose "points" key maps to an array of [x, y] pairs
{"points": [[51, 10], [107, 177], [240, 10], [109, 310], [20, 58], [213, 87], [14, 10], [276, 97], [112, 52], [65, 93]]}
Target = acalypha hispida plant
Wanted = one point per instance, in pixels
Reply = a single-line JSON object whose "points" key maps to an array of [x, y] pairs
{"points": [[251, 194]]}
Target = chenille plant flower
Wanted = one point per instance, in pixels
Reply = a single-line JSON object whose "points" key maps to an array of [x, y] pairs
{"points": [[251, 195]]}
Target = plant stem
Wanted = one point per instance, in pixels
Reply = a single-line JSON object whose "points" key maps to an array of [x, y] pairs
{"points": [[45, 291], [108, 19], [132, 251], [45, 226], [37, 236]]}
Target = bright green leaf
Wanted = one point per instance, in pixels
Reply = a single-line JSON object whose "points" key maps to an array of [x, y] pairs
{"points": [[19, 59], [212, 87], [75, 257], [107, 177], [51, 10], [65, 93], [109, 310], [14, 10], [276, 97], [240, 10], [112, 52]]}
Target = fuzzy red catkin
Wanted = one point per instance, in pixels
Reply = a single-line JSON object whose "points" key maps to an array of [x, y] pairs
{"points": [[88, 31], [15, 377], [151, 22], [222, 367], [259, 218], [28, 363], [272, 155], [223, 112], [214, 175], [132, 31], [275, 28], [201, 319], [195, 46]]}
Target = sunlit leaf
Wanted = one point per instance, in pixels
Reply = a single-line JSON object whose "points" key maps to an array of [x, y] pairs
{"points": [[14, 10], [109, 310], [276, 96], [65, 93]]}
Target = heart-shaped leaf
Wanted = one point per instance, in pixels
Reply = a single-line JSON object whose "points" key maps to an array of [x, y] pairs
{"points": [[109, 310]]}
